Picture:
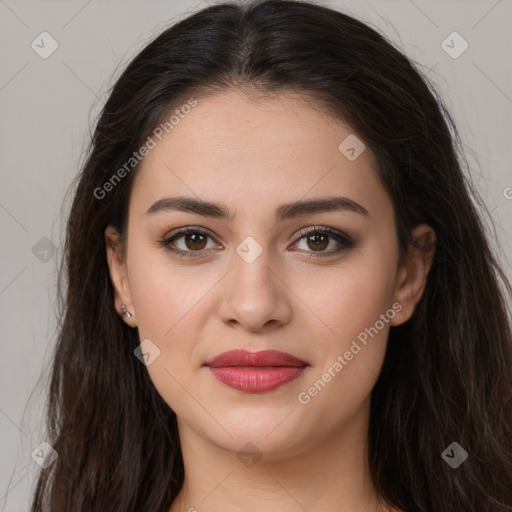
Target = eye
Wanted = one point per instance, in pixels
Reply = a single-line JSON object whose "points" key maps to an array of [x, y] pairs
{"points": [[193, 244], [319, 238]]}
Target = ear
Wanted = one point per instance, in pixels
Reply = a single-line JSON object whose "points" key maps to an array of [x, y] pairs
{"points": [[119, 276], [412, 274]]}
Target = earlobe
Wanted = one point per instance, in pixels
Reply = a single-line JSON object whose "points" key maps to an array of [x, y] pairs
{"points": [[118, 276], [413, 273]]}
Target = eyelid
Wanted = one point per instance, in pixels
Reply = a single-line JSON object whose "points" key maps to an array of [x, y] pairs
{"points": [[322, 229]]}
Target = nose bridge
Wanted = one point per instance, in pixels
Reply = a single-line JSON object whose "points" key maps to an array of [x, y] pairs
{"points": [[252, 276], [253, 294]]}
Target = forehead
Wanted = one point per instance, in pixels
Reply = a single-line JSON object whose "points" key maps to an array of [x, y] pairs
{"points": [[255, 152]]}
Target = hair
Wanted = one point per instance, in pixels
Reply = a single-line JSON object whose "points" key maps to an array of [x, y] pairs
{"points": [[447, 372]]}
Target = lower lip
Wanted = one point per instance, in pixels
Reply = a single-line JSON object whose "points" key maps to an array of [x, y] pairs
{"points": [[256, 380]]}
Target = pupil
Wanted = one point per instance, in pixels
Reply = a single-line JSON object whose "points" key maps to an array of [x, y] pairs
{"points": [[316, 240], [195, 238]]}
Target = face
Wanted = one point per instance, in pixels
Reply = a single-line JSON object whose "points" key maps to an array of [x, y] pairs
{"points": [[321, 283]]}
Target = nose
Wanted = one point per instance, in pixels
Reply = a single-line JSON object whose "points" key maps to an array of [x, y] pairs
{"points": [[254, 296]]}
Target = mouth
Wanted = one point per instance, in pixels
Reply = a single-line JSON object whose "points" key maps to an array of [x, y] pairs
{"points": [[256, 372]]}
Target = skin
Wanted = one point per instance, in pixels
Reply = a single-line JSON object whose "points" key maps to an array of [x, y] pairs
{"points": [[231, 149]]}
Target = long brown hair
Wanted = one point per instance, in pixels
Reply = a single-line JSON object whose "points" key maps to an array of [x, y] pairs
{"points": [[447, 374]]}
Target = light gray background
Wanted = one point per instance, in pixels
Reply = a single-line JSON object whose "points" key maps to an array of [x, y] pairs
{"points": [[47, 106]]}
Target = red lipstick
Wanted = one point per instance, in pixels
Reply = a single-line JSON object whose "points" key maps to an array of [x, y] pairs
{"points": [[255, 372]]}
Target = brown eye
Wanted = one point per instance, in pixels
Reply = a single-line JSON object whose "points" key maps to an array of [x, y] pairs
{"points": [[317, 240], [195, 241], [188, 242]]}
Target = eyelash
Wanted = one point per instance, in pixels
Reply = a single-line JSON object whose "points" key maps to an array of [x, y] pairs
{"points": [[342, 238]]}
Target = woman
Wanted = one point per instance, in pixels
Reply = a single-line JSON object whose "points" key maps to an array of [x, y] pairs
{"points": [[279, 293]]}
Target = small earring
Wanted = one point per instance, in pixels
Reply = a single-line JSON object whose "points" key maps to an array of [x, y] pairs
{"points": [[124, 312]]}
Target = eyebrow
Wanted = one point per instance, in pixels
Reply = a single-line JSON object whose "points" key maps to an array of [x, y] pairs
{"points": [[283, 212]]}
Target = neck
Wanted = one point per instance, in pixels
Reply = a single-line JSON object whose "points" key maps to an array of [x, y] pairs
{"points": [[329, 474]]}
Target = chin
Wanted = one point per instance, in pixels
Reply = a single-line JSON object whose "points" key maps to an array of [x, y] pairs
{"points": [[272, 435]]}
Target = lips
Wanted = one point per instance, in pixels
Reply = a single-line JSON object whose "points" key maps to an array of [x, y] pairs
{"points": [[255, 372], [255, 359]]}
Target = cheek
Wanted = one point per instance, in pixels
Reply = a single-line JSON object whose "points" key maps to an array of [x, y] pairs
{"points": [[164, 292], [173, 303], [168, 304], [356, 306], [351, 298]]}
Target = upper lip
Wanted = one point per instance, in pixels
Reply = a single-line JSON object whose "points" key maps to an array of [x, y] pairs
{"points": [[261, 358]]}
